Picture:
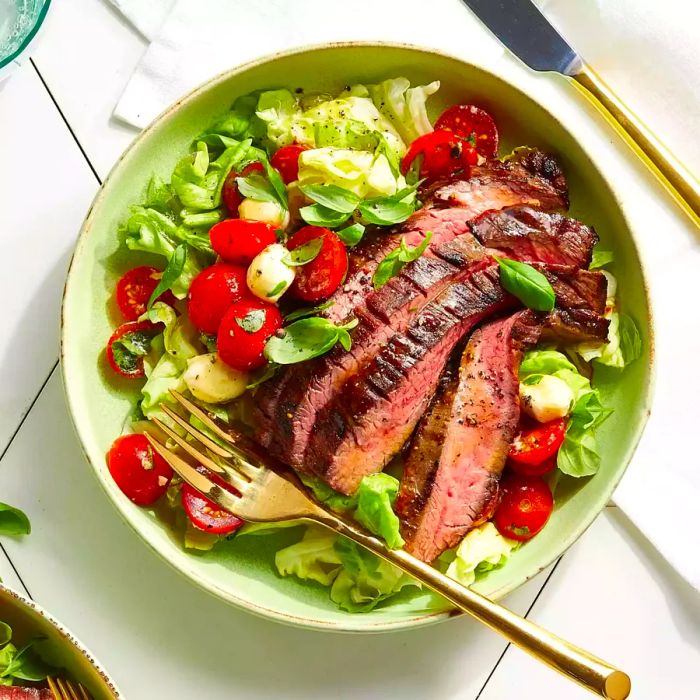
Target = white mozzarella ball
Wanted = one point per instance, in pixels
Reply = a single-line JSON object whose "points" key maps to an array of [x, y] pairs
{"points": [[212, 380], [268, 276], [550, 398], [269, 212]]}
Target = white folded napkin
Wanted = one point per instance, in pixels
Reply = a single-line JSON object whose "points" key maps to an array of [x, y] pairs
{"points": [[638, 45]]}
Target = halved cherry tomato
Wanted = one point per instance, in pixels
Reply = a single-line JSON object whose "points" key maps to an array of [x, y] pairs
{"points": [[533, 446], [240, 240], [134, 289], [443, 153], [525, 507], [128, 345], [540, 469], [319, 278], [286, 161], [230, 194], [471, 122], [212, 292], [243, 332], [205, 514], [138, 470]]}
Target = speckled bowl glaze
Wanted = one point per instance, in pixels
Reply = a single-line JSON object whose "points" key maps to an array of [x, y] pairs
{"points": [[242, 571], [60, 646]]}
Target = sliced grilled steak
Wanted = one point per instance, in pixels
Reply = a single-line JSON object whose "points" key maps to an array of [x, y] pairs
{"points": [[524, 233], [367, 422], [452, 468], [13, 692]]}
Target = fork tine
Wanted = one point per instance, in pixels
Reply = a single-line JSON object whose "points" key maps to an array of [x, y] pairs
{"points": [[238, 440], [66, 689], [198, 481], [234, 478], [84, 695], [204, 439], [53, 687]]}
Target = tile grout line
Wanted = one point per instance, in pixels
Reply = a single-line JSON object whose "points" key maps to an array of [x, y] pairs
{"points": [[508, 645], [17, 574], [65, 121]]}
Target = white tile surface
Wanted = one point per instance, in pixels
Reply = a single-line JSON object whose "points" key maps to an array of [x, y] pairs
{"points": [[615, 596], [162, 637], [45, 189]]}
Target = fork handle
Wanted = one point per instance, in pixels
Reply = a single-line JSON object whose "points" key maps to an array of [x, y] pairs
{"points": [[589, 671]]}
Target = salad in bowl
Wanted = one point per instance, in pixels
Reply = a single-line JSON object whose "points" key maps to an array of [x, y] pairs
{"points": [[388, 304]]}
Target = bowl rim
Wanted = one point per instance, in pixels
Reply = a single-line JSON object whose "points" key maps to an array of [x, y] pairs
{"points": [[29, 37], [347, 624], [13, 597]]}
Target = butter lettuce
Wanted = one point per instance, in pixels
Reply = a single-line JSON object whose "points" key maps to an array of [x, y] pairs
{"points": [[578, 455], [482, 549], [313, 558]]}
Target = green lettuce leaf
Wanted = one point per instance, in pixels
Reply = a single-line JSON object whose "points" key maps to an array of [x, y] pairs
{"points": [[181, 339], [482, 549], [375, 500], [404, 106], [238, 124], [165, 375], [313, 558]]}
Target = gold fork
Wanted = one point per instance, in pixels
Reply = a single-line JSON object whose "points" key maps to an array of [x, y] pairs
{"points": [[63, 689], [269, 493]]}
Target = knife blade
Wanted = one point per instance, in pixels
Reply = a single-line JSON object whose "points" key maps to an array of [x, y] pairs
{"points": [[522, 28]]}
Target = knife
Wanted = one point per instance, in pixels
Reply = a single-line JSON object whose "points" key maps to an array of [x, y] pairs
{"points": [[523, 29]]}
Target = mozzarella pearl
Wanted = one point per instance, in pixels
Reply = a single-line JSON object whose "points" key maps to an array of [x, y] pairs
{"points": [[268, 277], [550, 398], [269, 212], [211, 380]]}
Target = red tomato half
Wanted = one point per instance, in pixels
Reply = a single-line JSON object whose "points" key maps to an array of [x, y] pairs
{"points": [[134, 289], [128, 345], [138, 470], [205, 514], [534, 446], [212, 292], [286, 161], [468, 122], [525, 507], [240, 240], [443, 153], [230, 194], [243, 332], [319, 278]]}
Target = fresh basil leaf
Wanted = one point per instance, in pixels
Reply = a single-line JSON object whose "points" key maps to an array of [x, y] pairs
{"points": [[318, 215], [253, 321], [527, 284], [395, 261], [385, 211], [129, 348], [27, 665], [277, 289], [600, 258], [351, 235], [578, 456], [256, 187], [172, 272], [262, 375], [630, 340], [307, 311], [305, 339], [278, 186], [304, 253], [5, 633], [332, 197]]}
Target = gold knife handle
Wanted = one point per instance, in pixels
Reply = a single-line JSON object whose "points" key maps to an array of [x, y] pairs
{"points": [[578, 665], [673, 175]]}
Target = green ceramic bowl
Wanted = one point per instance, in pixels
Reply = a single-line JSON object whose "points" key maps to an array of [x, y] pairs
{"points": [[242, 572], [59, 646]]}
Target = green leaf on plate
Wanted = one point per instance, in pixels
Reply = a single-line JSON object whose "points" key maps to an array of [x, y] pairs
{"points": [[253, 321], [351, 235], [256, 187], [307, 311], [395, 261], [630, 340], [600, 258], [318, 215], [307, 338], [332, 197], [527, 284], [304, 253], [171, 274]]}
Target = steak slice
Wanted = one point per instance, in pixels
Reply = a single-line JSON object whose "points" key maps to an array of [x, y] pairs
{"points": [[15, 692], [458, 452], [371, 417], [524, 233]]}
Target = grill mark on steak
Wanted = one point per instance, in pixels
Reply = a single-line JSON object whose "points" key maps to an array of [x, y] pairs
{"points": [[527, 234], [366, 423], [452, 467]]}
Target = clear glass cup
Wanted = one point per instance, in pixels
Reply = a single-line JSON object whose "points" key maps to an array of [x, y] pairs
{"points": [[20, 21]]}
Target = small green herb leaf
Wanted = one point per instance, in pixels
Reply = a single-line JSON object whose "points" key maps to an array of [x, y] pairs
{"points": [[171, 273], [277, 183], [13, 521], [318, 215], [393, 209], [256, 187], [307, 311], [332, 197], [600, 258], [351, 235], [5, 633], [527, 284], [253, 321], [262, 375], [307, 338], [395, 261], [129, 348], [304, 253], [630, 340], [277, 289]]}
